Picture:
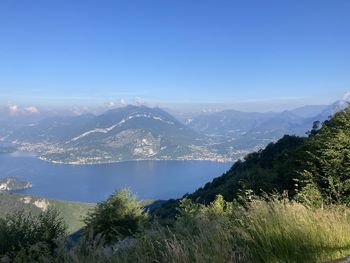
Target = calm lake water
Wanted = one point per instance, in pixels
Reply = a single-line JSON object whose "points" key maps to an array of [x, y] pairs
{"points": [[93, 183]]}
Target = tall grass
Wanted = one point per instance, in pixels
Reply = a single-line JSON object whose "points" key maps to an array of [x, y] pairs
{"points": [[283, 231], [261, 231], [264, 231]]}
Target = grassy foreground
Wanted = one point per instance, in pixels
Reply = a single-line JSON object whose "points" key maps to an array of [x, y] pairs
{"points": [[260, 231], [281, 231]]}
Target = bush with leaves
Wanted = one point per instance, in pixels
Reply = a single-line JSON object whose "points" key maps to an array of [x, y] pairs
{"points": [[119, 216], [20, 232]]}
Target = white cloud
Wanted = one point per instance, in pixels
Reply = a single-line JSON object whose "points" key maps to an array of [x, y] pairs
{"points": [[138, 101], [13, 108], [122, 102], [111, 105], [79, 110], [346, 96], [31, 110]]}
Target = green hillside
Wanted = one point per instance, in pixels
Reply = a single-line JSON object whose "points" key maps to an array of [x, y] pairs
{"points": [[318, 165], [73, 213]]}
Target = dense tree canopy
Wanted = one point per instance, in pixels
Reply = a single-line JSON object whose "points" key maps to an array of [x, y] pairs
{"points": [[327, 158]]}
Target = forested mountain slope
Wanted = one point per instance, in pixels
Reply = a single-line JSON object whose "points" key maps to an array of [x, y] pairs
{"points": [[317, 167]]}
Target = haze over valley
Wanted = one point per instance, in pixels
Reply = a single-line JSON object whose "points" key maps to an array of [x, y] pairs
{"points": [[139, 132]]}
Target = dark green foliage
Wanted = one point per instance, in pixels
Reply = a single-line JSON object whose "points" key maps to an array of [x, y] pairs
{"points": [[262, 171], [20, 231], [326, 156], [167, 210], [119, 216], [318, 166], [266, 171]]}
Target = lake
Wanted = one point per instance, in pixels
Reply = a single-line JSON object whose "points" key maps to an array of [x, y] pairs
{"points": [[95, 182]]}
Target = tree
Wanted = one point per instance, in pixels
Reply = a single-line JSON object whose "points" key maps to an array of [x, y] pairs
{"points": [[119, 216], [327, 158]]}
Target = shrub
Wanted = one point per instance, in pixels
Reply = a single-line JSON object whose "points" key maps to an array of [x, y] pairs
{"points": [[20, 232], [119, 216]]}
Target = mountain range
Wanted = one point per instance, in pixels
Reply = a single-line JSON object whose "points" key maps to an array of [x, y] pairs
{"points": [[144, 133], [127, 133], [254, 130]]}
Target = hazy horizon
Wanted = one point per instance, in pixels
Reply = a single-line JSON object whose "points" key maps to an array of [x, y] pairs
{"points": [[277, 105], [256, 56]]}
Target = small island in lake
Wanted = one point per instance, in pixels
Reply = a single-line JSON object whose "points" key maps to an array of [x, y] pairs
{"points": [[12, 183]]}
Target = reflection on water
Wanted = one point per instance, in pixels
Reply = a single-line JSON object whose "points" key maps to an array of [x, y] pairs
{"points": [[93, 183]]}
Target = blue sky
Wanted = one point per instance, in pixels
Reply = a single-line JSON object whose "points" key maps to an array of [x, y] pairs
{"points": [[184, 51]]}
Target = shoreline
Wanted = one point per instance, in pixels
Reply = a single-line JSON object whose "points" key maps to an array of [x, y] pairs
{"points": [[133, 160], [37, 156]]}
